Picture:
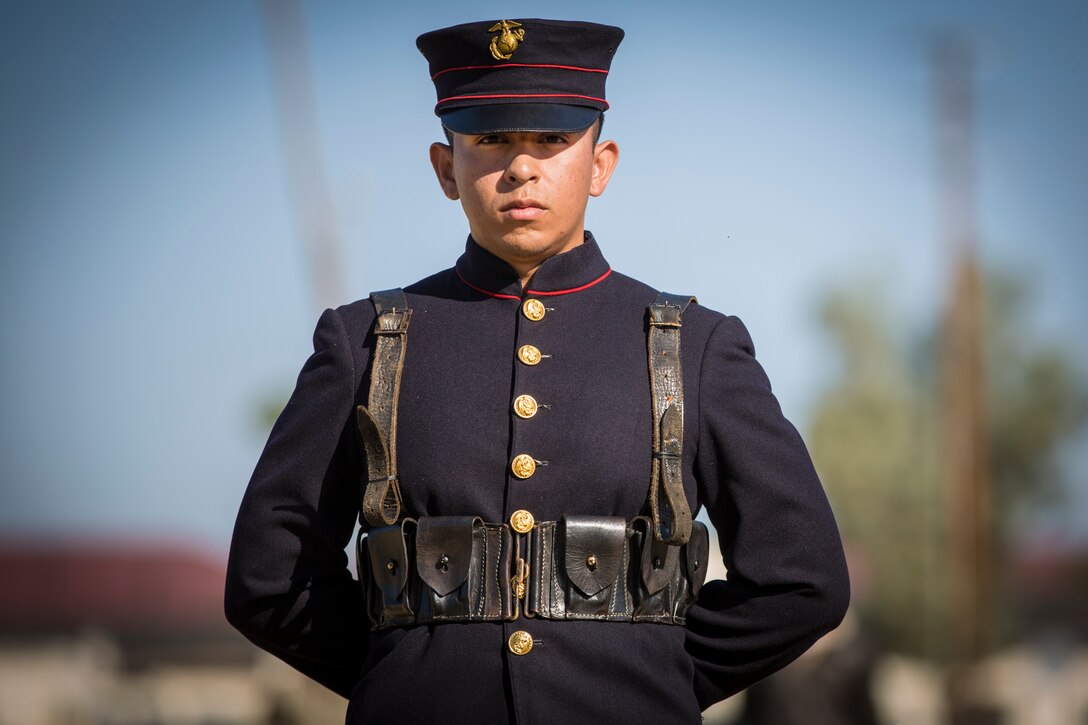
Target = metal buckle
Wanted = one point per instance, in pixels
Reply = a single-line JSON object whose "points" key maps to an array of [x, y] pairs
{"points": [[518, 581], [392, 322], [518, 585]]}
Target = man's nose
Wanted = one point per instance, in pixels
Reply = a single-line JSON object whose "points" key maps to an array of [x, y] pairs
{"points": [[523, 167]]}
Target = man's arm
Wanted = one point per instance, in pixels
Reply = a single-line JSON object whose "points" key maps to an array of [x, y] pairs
{"points": [[288, 587], [787, 583]]}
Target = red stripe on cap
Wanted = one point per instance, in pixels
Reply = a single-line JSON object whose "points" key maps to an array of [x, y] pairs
{"points": [[567, 291], [496, 295], [520, 65], [523, 95]]}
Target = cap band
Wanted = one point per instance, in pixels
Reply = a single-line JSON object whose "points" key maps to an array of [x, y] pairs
{"points": [[520, 65], [503, 97], [556, 117]]}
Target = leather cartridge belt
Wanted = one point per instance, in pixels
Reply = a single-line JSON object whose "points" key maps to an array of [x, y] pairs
{"points": [[460, 569]]}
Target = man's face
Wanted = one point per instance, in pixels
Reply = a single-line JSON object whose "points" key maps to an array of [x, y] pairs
{"points": [[525, 193]]}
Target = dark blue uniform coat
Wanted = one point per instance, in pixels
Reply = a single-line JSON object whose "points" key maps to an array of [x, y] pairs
{"points": [[288, 586]]}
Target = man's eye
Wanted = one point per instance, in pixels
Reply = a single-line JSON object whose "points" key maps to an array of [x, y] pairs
{"points": [[490, 138], [554, 138]]}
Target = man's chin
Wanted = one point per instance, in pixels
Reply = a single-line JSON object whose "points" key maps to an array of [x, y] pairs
{"points": [[534, 247], [524, 244]]}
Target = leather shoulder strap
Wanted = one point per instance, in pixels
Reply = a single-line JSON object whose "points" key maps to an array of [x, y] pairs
{"points": [[377, 421], [668, 504]]}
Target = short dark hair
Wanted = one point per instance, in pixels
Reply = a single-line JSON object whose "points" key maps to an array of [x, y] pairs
{"points": [[597, 126]]}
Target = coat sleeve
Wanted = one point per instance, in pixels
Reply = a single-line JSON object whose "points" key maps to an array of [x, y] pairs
{"points": [[787, 582], [288, 587]]}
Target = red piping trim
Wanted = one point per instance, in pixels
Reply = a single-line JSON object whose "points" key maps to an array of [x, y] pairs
{"points": [[538, 293], [520, 65], [572, 289], [524, 95], [496, 295]]}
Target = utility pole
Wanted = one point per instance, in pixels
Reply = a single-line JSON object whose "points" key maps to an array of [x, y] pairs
{"points": [[963, 389], [313, 209]]}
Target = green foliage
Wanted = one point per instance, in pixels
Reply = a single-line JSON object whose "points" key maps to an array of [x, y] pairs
{"points": [[874, 444], [1036, 401], [876, 439]]}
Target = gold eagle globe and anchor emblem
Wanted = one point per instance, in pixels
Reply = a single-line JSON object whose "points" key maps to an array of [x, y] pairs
{"points": [[506, 42]]}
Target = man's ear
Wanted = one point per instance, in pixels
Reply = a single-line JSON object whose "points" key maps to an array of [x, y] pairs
{"points": [[442, 161], [606, 155]]}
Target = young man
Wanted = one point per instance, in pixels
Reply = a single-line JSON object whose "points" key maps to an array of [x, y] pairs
{"points": [[530, 452]]}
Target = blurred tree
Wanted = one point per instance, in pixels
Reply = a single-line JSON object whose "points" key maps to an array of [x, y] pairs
{"points": [[875, 439], [1036, 399]]}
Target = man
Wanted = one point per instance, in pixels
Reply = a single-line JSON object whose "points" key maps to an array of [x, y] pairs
{"points": [[527, 475]]}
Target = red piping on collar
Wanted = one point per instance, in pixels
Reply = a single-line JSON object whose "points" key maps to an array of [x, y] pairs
{"points": [[496, 295], [572, 289], [520, 65], [538, 293]]}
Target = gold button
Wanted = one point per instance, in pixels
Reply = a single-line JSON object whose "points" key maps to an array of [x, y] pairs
{"points": [[523, 465], [520, 642], [529, 354], [525, 406], [521, 521], [533, 309]]}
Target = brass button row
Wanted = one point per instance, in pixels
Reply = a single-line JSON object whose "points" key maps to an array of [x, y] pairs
{"points": [[533, 309], [524, 466]]}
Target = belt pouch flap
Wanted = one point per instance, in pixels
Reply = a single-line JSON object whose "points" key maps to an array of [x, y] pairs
{"points": [[658, 560], [593, 551], [697, 556], [444, 551], [388, 555]]}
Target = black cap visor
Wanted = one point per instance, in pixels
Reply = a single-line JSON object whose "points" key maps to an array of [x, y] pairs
{"points": [[498, 117]]}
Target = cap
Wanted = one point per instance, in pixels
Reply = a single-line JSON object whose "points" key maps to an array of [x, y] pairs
{"points": [[520, 75]]}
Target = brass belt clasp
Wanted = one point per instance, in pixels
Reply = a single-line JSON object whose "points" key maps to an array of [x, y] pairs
{"points": [[520, 578]]}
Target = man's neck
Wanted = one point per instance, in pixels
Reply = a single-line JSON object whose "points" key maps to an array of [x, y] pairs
{"points": [[526, 268], [527, 276]]}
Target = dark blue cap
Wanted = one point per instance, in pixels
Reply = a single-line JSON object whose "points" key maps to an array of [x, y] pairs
{"points": [[520, 75]]}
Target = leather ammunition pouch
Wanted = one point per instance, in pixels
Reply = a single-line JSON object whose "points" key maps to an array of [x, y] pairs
{"points": [[461, 569]]}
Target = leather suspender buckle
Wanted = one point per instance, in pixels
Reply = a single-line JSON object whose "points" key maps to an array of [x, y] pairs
{"points": [[393, 322], [665, 315]]}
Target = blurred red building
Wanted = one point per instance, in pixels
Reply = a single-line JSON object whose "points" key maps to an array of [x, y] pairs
{"points": [[128, 587]]}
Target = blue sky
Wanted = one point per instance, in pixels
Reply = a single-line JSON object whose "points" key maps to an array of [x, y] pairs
{"points": [[153, 294]]}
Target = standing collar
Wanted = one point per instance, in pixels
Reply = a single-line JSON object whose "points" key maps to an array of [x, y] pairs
{"points": [[571, 271]]}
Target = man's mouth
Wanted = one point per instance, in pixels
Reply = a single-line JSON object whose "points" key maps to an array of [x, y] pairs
{"points": [[522, 209]]}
